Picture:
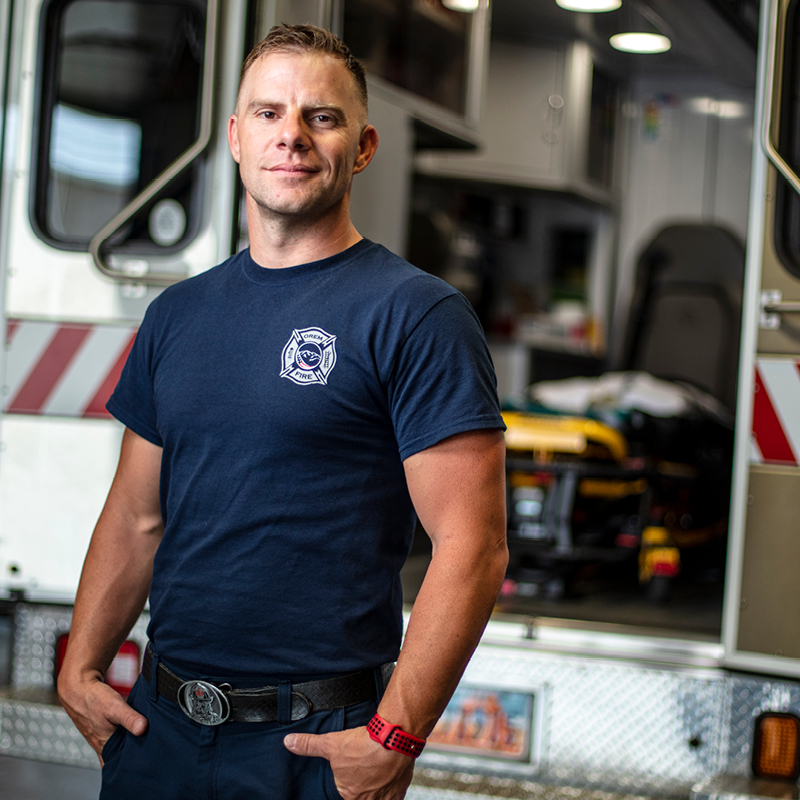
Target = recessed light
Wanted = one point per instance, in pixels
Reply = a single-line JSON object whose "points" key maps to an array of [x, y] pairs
{"points": [[461, 5], [640, 42], [592, 6]]}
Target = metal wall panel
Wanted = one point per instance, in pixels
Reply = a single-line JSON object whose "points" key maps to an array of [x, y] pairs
{"points": [[616, 725], [769, 617], [36, 630]]}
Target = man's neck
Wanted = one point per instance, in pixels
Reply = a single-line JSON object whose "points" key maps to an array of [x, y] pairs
{"points": [[280, 243]]}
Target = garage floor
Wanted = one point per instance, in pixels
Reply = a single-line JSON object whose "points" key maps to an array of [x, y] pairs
{"points": [[22, 779]]}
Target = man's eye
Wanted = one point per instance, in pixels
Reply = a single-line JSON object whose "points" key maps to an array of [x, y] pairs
{"points": [[267, 114], [322, 118]]}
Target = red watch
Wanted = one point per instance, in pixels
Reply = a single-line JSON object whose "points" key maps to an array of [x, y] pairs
{"points": [[393, 737]]}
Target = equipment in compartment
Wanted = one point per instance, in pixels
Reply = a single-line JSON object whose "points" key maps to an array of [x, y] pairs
{"points": [[582, 496]]}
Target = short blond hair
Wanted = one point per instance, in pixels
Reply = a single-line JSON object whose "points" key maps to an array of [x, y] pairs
{"points": [[307, 39]]}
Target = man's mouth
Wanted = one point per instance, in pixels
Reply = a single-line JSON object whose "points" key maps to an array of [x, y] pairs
{"points": [[293, 169]]}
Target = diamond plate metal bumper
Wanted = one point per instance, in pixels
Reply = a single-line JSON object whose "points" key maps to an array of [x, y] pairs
{"points": [[32, 723], [611, 728]]}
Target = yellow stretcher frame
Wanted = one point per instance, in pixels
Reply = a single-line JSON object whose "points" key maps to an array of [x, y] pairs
{"points": [[543, 433]]}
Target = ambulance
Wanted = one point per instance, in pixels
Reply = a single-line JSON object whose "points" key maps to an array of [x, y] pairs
{"points": [[117, 182]]}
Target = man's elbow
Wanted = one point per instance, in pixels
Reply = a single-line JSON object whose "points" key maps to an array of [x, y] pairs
{"points": [[499, 558]]}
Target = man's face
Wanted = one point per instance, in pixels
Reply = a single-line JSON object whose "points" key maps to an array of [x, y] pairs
{"points": [[299, 134]]}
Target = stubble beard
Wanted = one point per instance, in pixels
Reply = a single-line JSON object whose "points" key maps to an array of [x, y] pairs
{"points": [[298, 209]]}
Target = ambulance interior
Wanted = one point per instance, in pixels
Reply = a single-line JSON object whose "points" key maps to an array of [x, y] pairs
{"points": [[611, 293]]}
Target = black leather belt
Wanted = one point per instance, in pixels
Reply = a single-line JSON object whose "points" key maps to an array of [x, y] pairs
{"points": [[212, 704]]}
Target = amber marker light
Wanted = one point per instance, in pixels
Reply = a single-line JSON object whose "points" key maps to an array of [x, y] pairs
{"points": [[775, 746]]}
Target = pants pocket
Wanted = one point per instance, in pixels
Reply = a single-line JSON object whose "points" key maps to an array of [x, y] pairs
{"points": [[350, 717], [329, 784], [113, 745], [115, 742]]}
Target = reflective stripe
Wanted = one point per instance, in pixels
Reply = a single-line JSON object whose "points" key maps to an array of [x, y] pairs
{"points": [[63, 369], [776, 412]]}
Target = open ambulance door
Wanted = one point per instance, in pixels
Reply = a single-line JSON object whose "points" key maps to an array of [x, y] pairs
{"points": [[761, 626], [116, 182]]}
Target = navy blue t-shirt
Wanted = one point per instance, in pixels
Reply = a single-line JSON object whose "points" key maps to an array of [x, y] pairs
{"points": [[285, 401]]}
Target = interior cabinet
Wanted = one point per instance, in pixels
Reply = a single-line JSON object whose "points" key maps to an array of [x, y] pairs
{"points": [[546, 109]]}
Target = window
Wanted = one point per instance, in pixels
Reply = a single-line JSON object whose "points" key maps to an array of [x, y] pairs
{"points": [[119, 86], [787, 207]]}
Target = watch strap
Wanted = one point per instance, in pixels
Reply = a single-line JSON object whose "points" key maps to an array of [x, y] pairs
{"points": [[393, 737]]}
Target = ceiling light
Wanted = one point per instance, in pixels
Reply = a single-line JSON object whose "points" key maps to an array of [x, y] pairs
{"points": [[589, 5], [640, 42], [461, 5]]}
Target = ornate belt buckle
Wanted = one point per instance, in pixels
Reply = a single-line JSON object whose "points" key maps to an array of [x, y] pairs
{"points": [[203, 702]]}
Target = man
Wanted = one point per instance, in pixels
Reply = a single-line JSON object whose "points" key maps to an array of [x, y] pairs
{"points": [[287, 413]]}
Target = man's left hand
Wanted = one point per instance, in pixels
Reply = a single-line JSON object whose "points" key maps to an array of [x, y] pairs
{"points": [[362, 769]]}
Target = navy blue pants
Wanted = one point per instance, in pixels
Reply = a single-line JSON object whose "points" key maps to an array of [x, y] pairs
{"points": [[178, 759]]}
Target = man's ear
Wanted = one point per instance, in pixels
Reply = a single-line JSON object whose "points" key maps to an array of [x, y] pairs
{"points": [[367, 146], [233, 137]]}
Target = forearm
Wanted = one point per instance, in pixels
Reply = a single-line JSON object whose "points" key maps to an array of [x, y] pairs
{"points": [[447, 620], [113, 590]]}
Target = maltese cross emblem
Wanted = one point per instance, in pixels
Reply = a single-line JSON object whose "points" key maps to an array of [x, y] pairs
{"points": [[309, 356]]}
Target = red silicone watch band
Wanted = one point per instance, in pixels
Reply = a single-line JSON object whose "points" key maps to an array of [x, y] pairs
{"points": [[393, 737]]}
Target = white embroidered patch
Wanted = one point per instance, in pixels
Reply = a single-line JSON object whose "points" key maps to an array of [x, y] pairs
{"points": [[309, 356]]}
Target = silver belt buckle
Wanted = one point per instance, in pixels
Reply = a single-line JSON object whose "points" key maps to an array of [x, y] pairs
{"points": [[203, 702]]}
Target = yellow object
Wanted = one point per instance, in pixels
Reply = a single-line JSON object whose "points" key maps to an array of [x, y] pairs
{"points": [[658, 556], [655, 535], [550, 434], [611, 490]]}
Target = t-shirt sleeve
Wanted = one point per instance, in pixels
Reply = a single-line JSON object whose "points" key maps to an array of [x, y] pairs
{"points": [[444, 381], [133, 400]]}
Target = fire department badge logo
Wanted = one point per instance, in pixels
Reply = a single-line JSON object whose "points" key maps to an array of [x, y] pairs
{"points": [[309, 356]]}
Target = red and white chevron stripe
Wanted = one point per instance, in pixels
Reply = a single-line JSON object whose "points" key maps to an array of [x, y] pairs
{"points": [[63, 369], [776, 412]]}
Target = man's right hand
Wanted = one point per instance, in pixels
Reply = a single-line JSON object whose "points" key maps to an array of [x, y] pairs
{"points": [[97, 709]]}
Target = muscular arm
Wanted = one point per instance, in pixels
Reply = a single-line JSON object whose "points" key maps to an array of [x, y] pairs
{"points": [[458, 490], [113, 589]]}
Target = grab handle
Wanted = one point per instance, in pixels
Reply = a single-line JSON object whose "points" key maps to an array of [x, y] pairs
{"points": [[170, 172]]}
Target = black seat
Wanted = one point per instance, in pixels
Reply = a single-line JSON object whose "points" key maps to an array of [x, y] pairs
{"points": [[686, 309], [684, 325]]}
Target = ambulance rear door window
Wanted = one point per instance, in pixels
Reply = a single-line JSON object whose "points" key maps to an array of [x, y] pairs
{"points": [[119, 87]]}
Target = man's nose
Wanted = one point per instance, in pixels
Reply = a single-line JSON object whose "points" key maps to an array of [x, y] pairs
{"points": [[294, 133]]}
